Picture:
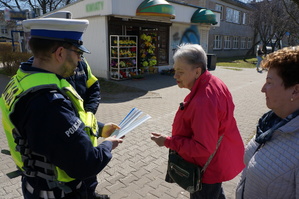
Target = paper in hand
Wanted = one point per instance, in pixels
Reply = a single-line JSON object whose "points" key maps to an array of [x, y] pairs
{"points": [[130, 122]]}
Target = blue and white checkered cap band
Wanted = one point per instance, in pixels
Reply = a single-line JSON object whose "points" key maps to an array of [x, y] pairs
{"points": [[69, 30]]}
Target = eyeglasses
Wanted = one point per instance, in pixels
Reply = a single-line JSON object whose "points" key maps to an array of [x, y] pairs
{"points": [[79, 53]]}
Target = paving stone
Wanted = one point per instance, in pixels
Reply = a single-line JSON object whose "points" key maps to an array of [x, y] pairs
{"points": [[129, 179], [144, 191]]}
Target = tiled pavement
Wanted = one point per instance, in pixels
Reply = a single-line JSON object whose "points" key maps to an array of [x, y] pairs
{"points": [[138, 166]]}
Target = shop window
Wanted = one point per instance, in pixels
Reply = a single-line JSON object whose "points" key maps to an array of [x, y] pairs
{"points": [[153, 47], [153, 39], [148, 49], [163, 46]]}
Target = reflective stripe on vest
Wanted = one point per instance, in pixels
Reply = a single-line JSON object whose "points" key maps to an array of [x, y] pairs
{"points": [[91, 79]]}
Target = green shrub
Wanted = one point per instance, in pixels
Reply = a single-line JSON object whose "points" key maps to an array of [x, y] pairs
{"points": [[5, 47], [11, 61]]}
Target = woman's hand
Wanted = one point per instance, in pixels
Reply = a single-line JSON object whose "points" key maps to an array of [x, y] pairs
{"points": [[108, 129], [158, 138]]}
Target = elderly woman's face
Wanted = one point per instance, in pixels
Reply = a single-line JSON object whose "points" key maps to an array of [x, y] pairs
{"points": [[185, 74], [278, 98]]}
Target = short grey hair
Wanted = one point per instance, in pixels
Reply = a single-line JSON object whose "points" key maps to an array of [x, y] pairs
{"points": [[192, 54]]}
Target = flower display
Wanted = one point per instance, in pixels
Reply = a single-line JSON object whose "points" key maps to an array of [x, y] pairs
{"points": [[113, 64], [145, 63], [124, 42], [128, 63], [152, 62], [147, 49]]}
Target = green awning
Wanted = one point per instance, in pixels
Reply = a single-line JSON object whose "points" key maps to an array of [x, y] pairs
{"points": [[160, 8], [204, 16]]}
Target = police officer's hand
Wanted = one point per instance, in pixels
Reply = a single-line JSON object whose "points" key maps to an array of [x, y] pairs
{"points": [[115, 141], [158, 138], [108, 129]]}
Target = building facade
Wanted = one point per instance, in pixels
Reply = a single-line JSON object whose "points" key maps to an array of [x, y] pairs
{"points": [[132, 36], [233, 36], [5, 28]]}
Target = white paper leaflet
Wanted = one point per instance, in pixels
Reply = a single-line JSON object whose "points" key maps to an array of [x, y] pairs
{"points": [[130, 122]]}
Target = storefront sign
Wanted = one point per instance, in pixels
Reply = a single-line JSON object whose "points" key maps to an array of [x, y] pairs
{"points": [[95, 6]]}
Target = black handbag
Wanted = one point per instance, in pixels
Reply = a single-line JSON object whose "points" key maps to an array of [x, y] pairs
{"points": [[186, 174]]}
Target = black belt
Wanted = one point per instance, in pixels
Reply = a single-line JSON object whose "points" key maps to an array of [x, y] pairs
{"points": [[47, 194]]}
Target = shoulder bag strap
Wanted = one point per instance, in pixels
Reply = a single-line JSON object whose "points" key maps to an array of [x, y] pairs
{"points": [[212, 155]]}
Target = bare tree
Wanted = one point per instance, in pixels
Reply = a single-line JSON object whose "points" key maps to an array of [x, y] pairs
{"points": [[291, 8], [261, 20], [296, 2], [272, 19], [45, 5]]}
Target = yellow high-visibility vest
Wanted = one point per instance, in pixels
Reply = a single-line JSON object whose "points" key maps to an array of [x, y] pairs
{"points": [[19, 86]]}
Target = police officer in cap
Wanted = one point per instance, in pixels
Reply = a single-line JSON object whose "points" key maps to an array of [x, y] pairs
{"points": [[85, 83], [88, 87], [52, 139]]}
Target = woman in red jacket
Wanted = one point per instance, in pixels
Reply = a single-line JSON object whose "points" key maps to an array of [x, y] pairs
{"points": [[206, 114]]}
